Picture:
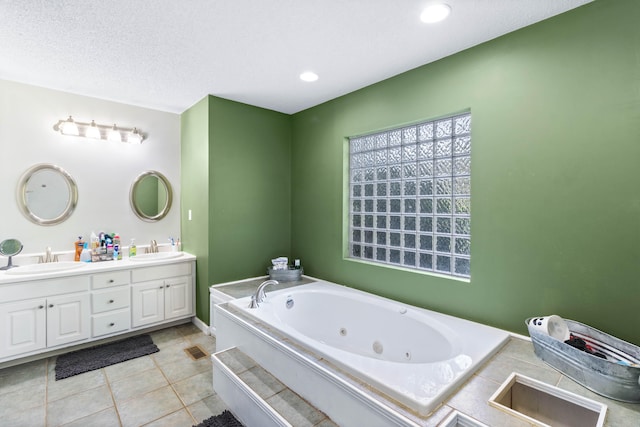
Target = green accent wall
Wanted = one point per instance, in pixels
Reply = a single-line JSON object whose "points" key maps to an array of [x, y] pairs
{"points": [[236, 179], [194, 191], [555, 177]]}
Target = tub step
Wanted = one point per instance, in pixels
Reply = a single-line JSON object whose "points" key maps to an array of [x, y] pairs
{"points": [[257, 398]]}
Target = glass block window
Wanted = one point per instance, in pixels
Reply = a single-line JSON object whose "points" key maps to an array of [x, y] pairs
{"points": [[410, 196]]}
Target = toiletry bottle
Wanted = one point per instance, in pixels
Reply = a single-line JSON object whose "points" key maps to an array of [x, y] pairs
{"points": [[94, 241], [79, 247], [85, 256], [133, 251], [116, 244], [296, 264]]}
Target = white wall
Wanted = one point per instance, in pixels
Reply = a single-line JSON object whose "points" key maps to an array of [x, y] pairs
{"points": [[104, 171]]}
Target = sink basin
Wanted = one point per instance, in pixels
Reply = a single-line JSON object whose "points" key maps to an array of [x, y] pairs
{"points": [[49, 267], [156, 256]]}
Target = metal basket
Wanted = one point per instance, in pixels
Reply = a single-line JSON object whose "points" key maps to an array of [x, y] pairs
{"points": [[291, 274], [607, 377]]}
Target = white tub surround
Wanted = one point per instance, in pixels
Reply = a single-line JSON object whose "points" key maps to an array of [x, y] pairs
{"points": [[357, 356], [46, 311]]}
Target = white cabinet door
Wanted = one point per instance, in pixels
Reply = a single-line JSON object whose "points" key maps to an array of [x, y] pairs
{"points": [[68, 319], [147, 303], [23, 327], [178, 297]]}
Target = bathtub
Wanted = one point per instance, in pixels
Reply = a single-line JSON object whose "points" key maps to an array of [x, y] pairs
{"points": [[416, 357]]}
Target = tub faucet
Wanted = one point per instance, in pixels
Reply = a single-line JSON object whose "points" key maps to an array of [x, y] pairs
{"points": [[259, 296]]}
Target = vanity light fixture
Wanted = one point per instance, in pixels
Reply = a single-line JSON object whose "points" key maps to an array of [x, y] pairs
{"points": [[98, 131], [435, 13]]}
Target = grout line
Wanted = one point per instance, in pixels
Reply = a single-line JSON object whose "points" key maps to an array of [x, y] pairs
{"points": [[113, 398]]}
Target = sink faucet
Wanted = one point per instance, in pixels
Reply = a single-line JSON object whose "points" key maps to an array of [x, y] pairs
{"points": [[48, 256], [259, 296], [153, 248]]}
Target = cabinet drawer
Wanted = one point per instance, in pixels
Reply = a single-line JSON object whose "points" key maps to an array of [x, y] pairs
{"points": [[160, 272], [109, 279], [111, 299], [111, 322], [43, 288]]}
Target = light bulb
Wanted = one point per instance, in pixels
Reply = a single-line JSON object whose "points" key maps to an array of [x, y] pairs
{"points": [[114, 134], [309, 76], [93, 131], [435, 13], [69, 127], [134, 136]]}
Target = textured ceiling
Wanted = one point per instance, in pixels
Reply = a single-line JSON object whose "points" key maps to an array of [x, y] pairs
{"points": [[169, 54]]}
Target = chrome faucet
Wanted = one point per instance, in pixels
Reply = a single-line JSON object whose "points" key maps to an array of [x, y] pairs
{"points": [[153, 247], [260, 295], [48, 256]]}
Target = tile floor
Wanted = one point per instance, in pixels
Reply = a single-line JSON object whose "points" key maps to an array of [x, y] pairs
{"points": [[167, 388]]}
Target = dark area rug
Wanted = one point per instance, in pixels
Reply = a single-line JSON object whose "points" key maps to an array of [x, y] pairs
{"points": [[225, 419], [90, 359]]}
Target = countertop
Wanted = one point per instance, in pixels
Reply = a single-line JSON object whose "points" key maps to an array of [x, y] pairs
{"points": [[94, 267]]}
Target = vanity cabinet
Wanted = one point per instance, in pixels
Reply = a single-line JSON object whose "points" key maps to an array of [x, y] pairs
{"points": [[39, 315], [41, 323], [161, 294]]}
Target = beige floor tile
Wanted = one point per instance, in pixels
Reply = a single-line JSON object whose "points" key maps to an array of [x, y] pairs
{"points": [[78, 405], [72, 385], [138, 384], [34, 417], [149, 407], [130, 367], [25, 376], [181, 369], [22, 398], [181, 418], [206, 408], [105, 418], [172, 354], [166, 338], [195, 388]]}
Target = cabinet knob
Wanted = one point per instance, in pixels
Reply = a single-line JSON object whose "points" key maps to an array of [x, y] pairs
{"points": [[167, 286], [41, 307], [112, 324], [161, 286], [50, 305], [110, 301], [111, 280]]}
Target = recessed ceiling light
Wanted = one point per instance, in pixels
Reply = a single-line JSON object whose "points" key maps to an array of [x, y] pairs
{"points": [[435, 13], [309, 76]]}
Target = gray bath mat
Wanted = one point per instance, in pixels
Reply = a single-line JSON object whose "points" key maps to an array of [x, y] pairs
{"points": [[90, 359], [225, 419]]}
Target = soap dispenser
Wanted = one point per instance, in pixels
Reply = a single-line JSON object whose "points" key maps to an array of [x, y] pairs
{"points": [[132, 248]]}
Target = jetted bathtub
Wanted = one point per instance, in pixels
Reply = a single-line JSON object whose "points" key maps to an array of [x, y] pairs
{"points": [[415, 356]]}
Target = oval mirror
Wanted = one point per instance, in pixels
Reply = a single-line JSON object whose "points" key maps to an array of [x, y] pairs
{"points": [[47, 194], [9, 248], [151, 196]]}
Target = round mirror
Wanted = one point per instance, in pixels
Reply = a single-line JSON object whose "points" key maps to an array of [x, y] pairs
{"points": [[151, 196], [9, 248], [47, 194]]}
